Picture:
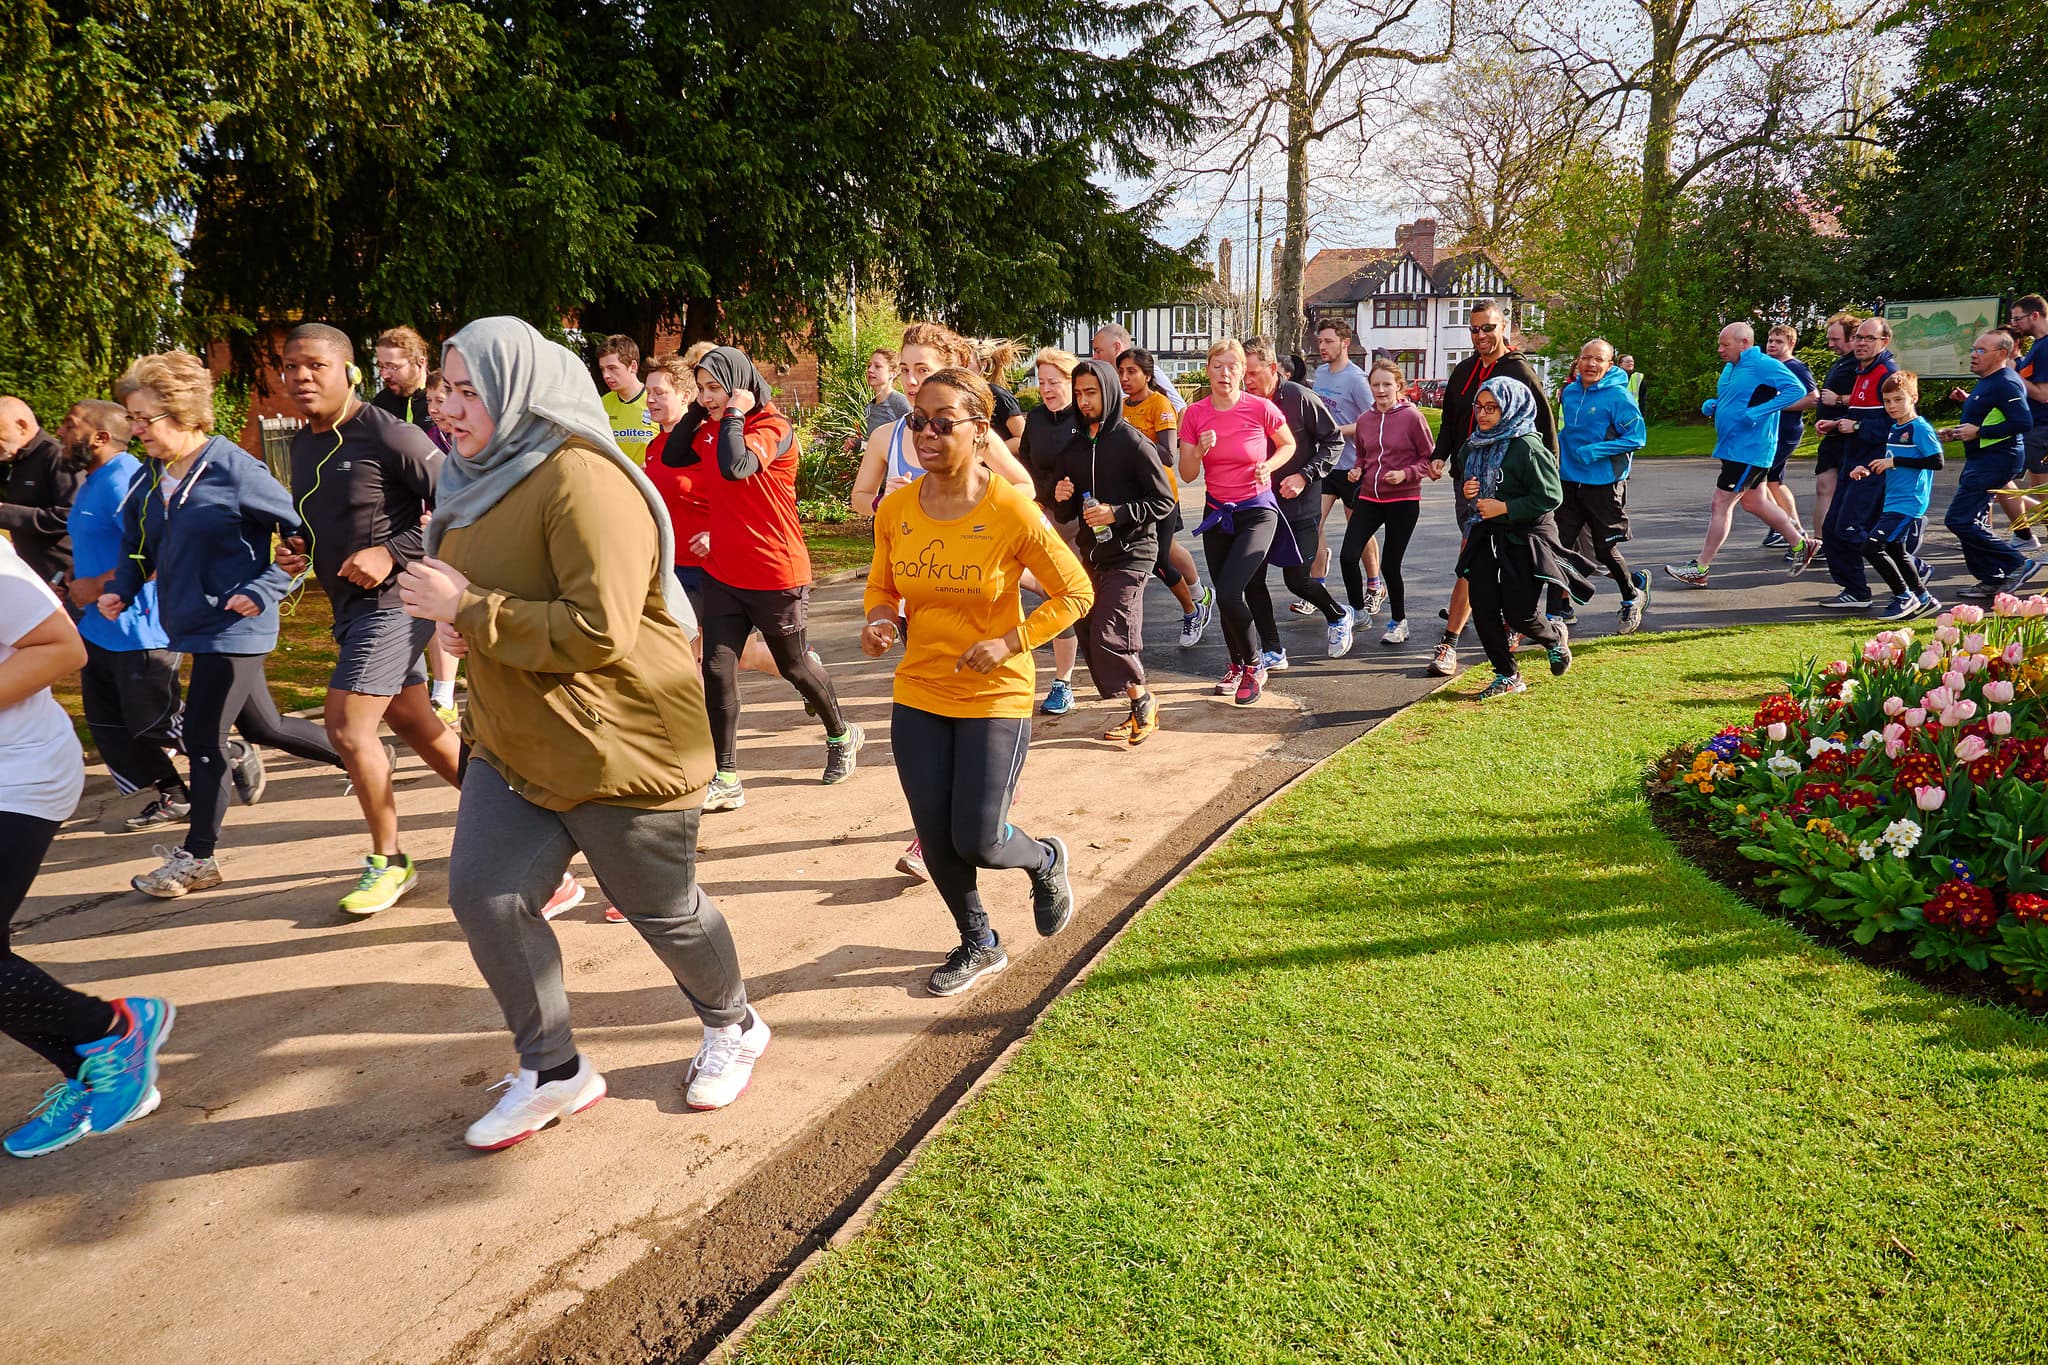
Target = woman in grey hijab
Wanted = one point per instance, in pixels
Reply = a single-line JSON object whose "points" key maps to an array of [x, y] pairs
{"points": [[548, 567]]}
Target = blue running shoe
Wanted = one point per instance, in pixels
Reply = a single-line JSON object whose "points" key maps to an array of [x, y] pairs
{"points": [[1060, 699], [59, 1121], [120, 1069], [1273, 660]]}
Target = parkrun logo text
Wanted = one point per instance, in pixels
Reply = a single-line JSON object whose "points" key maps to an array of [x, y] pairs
{"points": [[928, 565]]}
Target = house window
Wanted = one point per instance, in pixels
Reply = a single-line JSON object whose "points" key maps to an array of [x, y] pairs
{"points": [[1452, 359], [1396, 313], [1410, 363], [1460, 311], [1190, 321]]}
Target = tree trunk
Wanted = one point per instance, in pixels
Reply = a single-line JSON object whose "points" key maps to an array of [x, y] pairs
{"points": [[1290, 314], [700, 320], [1660, 128]]}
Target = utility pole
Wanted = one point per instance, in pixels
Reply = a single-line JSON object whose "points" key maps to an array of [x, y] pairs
{"points": [[1259, 267]]}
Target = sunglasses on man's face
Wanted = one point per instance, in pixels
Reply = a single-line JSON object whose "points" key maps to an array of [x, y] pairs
{"points": [[941, 426], [1484, 328]]}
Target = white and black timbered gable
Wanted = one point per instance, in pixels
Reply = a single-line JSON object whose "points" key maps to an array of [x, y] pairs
{"points": [[1406, 280], [1479, 277]]}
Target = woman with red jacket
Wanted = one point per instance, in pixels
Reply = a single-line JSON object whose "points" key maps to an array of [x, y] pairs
{"points": [[757, 572], [1394, 454]]}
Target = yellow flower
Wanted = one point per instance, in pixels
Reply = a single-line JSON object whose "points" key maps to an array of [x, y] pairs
{"points": [[1741, 809], [1706, 787]]}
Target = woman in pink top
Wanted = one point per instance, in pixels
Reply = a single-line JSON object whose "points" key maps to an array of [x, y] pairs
{"points": [[1394, 454], [1233, 441]]}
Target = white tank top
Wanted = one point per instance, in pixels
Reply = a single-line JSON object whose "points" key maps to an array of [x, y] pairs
{"points": [[900, 466]]}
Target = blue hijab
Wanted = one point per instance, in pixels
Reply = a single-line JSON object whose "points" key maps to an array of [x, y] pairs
{"points": [[1484, 450]]}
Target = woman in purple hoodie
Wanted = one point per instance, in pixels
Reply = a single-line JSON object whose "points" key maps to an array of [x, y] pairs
{"points": [[1394, 452]]}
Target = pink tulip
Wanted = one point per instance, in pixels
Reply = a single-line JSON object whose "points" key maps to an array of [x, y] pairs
{"points": [[1951, 716], [1915, 717], [1947, 635], [1929, 798], [1776, 731], [1952, 680], [1873, 651], [1998, 692], [1966, 614], [2015, 651], [1964, 709], [2037, 605], [1973, 642], [2005, 604], [1976, 664], [1971, 749], [1894, 739], [2000, 722], [1894, 705], [1930, 659], [1939, 698]]}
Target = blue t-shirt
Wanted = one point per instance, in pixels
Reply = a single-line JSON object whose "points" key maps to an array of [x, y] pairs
{"points": [[1346, 394], [2034, 369], [1908, 490], [1792, 425], [95, 526]]}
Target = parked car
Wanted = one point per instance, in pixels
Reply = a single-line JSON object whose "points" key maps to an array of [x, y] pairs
{"points": [[1429, 393]]}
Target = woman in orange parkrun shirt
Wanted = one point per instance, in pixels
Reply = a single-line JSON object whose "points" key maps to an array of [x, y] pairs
{"points": [[951, 548]]}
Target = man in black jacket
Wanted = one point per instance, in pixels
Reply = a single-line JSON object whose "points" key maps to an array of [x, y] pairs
{"points": [[42, 483], [1493, 353], [1297, 487]]}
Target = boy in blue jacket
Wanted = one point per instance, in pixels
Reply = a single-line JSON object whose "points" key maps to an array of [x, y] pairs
{"points": [[1912, 454]]}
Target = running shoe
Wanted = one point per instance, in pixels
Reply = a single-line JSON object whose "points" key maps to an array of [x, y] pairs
{"points": [[568, 895], [724, 793], [119, 1070], [1517, 642], [1226, 686], [1979, 592], [967, 964], [1903, 606], [1301, 608], [245, 769], [1196, 622], [1444, 662], [1361, 619], [911, 864], [1629, 619], [448, 716], [1052, 896], [1563, 618], [2026, 572], [1560, 654], [1273, 660], [165, 810], [614, 915], [1121, 731], [1693, 575], [179, 873], [1846, 601], [1060, 699], [60, 1120], [1251, 684], [1772, 540], [1503, 685], [1792, 555], [1930, 605], [1397, 632], [1375, 600], [842, 753], [527, 1106], [1802, 556], [725, 1062], [1340, 636], [382, 883], [2025, 540], [1144, 717], [1925, 570]]}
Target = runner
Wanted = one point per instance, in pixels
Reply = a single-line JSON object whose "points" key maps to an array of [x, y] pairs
{"points": [[362, 483], [1111, 482], [1508, 475], [996, 358], [1235, 440], [403, 371], [129, 687], [1601, 431], [1995, 413], [1147, 408], [889, 460], [1395, 454], [35, 498], [1297, 488], [1347, 392], [2030, 323], [1491, 354], [1834, 389], [1779, 344], [961, 724], [671, 388], [1110, 345], [555, 574], [441, 665], [204, 527], [1854, 512], [1048, 429], [885, 404], [1746, 442], [625, 399], [106, 1050], [757, 570], [1912, 455]]}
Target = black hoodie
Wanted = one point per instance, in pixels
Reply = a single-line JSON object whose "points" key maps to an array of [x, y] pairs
{"points": [[1120, 466], [1317, 445]]}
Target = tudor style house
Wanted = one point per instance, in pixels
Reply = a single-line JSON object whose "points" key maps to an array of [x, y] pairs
{"points": [[1177, 334], [1408, 302]]}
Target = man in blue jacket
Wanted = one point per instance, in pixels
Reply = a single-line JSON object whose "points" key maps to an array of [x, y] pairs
{"points": [[1995, 413], [1753, 390], [1597, 441]]}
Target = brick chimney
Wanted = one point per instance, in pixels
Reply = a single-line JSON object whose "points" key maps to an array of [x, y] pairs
{"points": [[1401, 235], [1422, 242], [1223, 264]]}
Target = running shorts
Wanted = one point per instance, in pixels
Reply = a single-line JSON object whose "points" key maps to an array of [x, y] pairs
{"points": [[1339, 484], [772, 611], [380, 653], [1737, 477], [1785, 448], [1891, 526]]}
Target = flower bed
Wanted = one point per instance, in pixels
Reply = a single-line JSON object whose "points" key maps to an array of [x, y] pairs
{"points": [[1903, 793]]}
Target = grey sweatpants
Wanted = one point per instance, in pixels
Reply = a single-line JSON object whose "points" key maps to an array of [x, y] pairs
{"points": [[509, 856]]}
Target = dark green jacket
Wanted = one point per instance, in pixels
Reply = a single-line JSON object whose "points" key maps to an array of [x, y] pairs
{"points": [[1527, 481]]}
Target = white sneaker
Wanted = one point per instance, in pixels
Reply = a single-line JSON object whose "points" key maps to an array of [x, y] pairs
{"points": [[1397, 632], [180, 872], [725, 1062], [1361, 619], [526, 1107], [1340, 636]]}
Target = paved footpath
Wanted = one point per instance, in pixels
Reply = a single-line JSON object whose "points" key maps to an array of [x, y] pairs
{"points": [[304, 1195]]}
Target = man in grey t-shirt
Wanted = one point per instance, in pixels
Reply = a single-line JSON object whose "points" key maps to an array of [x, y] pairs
{"points": [[1342, 387]]}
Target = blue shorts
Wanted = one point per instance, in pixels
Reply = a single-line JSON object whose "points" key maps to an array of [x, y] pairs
{"points": [[691, 576], [1893, 526], [380, 653], [1786, 445]]}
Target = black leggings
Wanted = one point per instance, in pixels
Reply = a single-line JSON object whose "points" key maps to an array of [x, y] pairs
{"points": [[1894, 563], [958, 777], [131, 703], [724, 637], [1299, 582], [1367, 517], [225, 689], [49, 1019], [1504, 598], [1235, 559]]}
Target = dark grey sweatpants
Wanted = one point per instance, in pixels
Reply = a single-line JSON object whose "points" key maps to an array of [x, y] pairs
{"points": [[510, 855]]}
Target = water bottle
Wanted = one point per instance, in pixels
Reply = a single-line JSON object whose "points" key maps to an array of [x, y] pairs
{"points": [[1102, 533]]}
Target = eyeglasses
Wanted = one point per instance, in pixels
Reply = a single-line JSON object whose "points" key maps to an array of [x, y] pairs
{"points": [[1482, 328], [941, 426], [144, 423], [1868, 336]]}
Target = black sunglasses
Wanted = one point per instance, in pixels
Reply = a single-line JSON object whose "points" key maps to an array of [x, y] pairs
{"points": [[1483, 327], [941, 426]]}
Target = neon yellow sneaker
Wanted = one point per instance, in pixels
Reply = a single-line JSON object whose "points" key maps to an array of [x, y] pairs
{"points": [[449, 716], [383, 881]]}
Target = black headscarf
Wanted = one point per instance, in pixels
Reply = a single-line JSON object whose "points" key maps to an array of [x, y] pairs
{"points": [[732, 369]]}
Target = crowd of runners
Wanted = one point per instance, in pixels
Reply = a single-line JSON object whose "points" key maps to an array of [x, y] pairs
{"points": [[604, 564]]}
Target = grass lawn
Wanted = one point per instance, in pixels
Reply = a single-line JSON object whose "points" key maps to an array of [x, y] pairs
{"points": [[1448, 1057], [840, 546]]}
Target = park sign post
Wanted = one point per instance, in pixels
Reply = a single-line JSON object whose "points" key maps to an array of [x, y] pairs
{"points": [[1932, 337]]}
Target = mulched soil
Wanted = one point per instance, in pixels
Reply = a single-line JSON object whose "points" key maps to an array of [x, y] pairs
{"points": [[1719, 858]]}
